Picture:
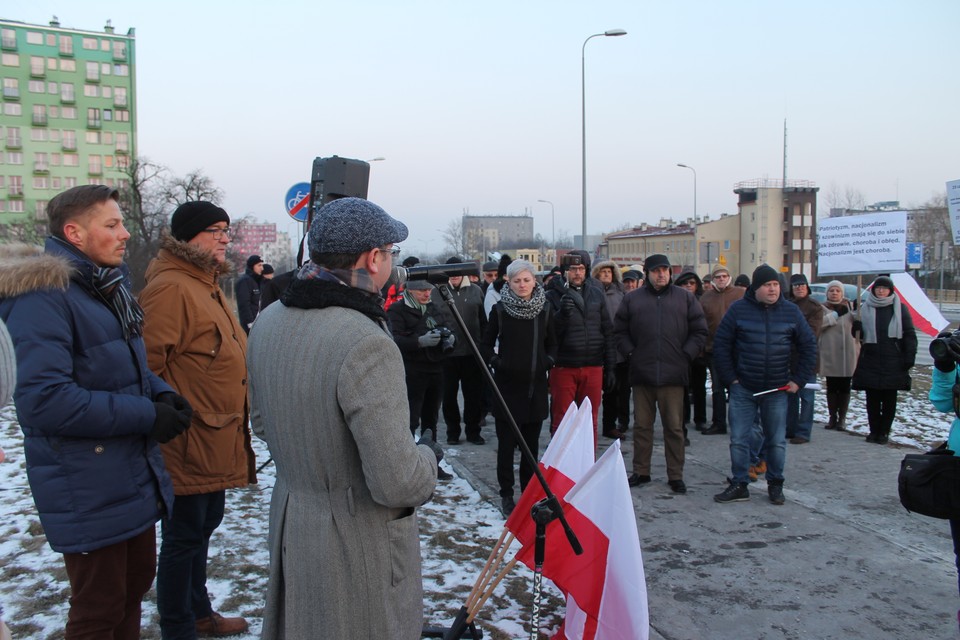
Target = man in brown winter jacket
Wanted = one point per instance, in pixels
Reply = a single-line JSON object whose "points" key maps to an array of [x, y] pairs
{"points": [[717, 297], [195, 344]]}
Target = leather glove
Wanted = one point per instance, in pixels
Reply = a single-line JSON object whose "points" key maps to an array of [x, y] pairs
{"points": [[429, 339], [567, 305], [169, 422], [609, 380], [842, 311], [428, 439], [494, 361], [176, 401], [948, 362], [857, 328], [449, 342]]}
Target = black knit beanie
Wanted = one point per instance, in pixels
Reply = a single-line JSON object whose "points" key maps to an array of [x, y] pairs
{"points": [[191, 218], [762, 275]]}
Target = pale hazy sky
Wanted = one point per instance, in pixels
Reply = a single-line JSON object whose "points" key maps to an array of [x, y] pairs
{"points": [[476, 105]]}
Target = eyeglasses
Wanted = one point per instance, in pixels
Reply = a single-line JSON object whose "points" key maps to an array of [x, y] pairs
{"points": [[218, 233]]}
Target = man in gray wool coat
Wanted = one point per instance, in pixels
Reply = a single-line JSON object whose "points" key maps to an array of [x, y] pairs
{"points": [[326, 382]]}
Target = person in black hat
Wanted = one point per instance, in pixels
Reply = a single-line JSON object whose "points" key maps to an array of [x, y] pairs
{"points": [[753, 352], [248, 292], [586, 352], [461, 371], [888, 350], [195, 343], [800, 404], [661, 329], [489, 270], [631, 280], [326, 384]]}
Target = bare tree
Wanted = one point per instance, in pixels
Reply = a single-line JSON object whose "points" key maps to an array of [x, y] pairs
{"points": [[455, 239], [930, 225], [148, 199], [564, 241], [848, 198], [193, 186]]}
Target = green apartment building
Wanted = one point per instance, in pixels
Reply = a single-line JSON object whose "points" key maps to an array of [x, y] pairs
{"points": [[68, 113]]}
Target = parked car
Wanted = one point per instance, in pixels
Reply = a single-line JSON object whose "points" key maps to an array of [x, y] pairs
{"points": [[818, 291]]}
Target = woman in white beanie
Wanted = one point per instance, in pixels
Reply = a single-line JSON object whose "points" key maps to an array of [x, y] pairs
{"points": [[838, 353]]}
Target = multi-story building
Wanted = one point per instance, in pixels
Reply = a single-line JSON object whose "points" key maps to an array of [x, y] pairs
{"points": [[69, 113], [250, 238], [483, 234], [632, 246], [778, 225]]}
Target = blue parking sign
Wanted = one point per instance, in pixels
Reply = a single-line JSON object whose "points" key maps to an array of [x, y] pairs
{"points": [[914, 254]]}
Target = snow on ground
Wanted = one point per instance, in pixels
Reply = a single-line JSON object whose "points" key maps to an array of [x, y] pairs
{"points": [[457, 531]]}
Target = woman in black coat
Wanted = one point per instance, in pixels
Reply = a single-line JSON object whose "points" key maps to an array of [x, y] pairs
{"points": [[520, 346], [888, 351]]}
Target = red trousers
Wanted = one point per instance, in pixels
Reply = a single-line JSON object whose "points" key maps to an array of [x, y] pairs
{"points": [[573, 384], [107, 587]]}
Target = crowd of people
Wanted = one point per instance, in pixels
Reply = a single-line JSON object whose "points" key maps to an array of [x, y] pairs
{"points": [[156, 395]]}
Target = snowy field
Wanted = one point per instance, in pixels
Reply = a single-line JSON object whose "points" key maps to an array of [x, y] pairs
{"points": [[458, 530]]}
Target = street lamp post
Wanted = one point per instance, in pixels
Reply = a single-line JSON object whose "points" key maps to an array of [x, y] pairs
{"points": [[696, 257], [583, 113], [553, 227]]}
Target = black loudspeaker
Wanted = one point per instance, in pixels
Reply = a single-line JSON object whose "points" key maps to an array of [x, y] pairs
{"points": [[337, 177]]}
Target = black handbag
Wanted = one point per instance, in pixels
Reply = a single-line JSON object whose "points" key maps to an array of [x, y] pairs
{"points": [[929, 483]]}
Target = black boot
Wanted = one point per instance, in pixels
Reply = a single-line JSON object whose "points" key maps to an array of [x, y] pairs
{"points": [[832, 410], [843, 403]]}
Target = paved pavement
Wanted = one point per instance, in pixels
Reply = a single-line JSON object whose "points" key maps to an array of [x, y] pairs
{"points": [[841, 559]]}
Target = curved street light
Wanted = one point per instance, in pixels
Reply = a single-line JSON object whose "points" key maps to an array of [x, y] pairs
{"points": [[553, 226], [583, 112], [696, 255]]}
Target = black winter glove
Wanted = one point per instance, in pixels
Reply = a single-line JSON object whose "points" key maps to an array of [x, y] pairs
{"points": [[176, 401], [428, 439], [567, 305], [169, 422], [842, 311], [494, 362], [609, 380], [857, 329]]}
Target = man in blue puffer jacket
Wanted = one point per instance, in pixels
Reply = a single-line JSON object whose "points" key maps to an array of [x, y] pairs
{"points": [[752, 353], [90, 410]]}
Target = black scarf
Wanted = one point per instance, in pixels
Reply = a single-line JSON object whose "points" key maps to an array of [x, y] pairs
{"points": [[319, 293]]}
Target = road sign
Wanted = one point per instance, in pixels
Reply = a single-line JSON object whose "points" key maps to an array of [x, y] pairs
{"points": [[297, 201], [914, 255]]}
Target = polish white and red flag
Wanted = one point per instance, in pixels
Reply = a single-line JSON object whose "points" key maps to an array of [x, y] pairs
{"points": [[605, 587], [567, 458], [926, 316]]}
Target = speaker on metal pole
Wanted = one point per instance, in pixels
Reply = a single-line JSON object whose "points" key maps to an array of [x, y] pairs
{"points": [[337, 177]]}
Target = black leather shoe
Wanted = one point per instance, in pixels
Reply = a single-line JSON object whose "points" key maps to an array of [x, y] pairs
{"points": [[453, 440], [715, 430], [678, 486], [636, 480], [507, 505], [477, 440]]}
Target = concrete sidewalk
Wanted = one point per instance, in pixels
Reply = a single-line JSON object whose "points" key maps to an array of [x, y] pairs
{"points": [[841, 559]]}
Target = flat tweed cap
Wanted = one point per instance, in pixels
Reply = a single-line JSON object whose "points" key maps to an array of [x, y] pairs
{"points": [[352, 226]]}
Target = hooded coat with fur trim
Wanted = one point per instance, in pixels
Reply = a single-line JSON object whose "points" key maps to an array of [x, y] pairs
{"points": [[195, 343], [84, 399], [612, 293]]}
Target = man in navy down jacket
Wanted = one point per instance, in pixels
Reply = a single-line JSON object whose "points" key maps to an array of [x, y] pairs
{"points": [[91, 411], [752, 353]]}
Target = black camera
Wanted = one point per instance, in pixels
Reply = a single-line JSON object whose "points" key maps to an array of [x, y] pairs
{"points": [[946, 346], [570, 260], [444, 334]]}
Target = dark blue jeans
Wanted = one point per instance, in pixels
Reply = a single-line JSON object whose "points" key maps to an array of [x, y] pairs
{"points": [[800, 413], [182, 566], [773, 422]]}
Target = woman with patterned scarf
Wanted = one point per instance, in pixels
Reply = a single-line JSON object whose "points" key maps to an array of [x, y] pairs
{"points": [[520, 346], [887, 353]]}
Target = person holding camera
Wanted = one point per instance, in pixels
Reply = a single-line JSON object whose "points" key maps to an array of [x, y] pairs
{"points": [[586, 351], [945, 396], [887, 353], [417, 325]]}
